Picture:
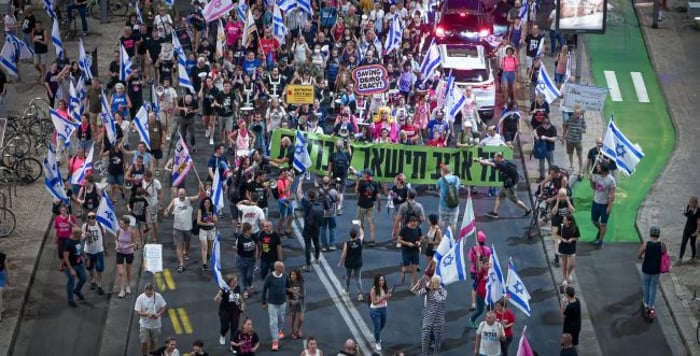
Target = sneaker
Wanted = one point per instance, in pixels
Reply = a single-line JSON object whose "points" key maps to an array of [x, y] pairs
{"points": [[306, 268], [187, 257], [93, 285], [222, 340], [121, 294], [280, 335], [206, 133], [100, 291], [128, 290], [245, 295], [473, 307], [205, 267], [180, 269], [492, 214], [378, 346], [324, 249], [371, 244], [360, 297], [398, 245], [211, 141], [332, 248], [527, 213], [72, 304], [79, 295], [275, 345]]}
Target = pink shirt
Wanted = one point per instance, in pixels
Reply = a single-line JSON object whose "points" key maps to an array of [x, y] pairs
{"points": [[509, 63], [234, 31], [64, 226]]}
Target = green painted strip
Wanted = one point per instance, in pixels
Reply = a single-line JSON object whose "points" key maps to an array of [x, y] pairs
{"points": [[622, 49]]}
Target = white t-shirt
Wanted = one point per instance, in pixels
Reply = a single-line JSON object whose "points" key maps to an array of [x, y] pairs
{"points": [[152, 190], [151, 305], [182, 214], [251, 214], [93, 239], [553, 19], [490, 340]]}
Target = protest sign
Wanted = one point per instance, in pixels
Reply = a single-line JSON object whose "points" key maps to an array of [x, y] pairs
{"points": [[153, 257], [420, 164], [300, 94], [371, 79], [590, 98]]}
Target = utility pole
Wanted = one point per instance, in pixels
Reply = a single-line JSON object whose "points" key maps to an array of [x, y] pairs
{"points": [[655, 15], [579, 57]]}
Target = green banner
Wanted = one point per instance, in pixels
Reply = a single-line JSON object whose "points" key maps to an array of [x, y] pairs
{"points": [[420, 164]]}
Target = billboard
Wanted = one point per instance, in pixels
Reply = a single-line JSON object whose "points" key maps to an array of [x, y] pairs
{"points": [[581, 16]]}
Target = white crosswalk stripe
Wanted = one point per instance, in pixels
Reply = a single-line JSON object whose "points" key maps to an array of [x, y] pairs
{"points": [[611, 78], [639, 87]]}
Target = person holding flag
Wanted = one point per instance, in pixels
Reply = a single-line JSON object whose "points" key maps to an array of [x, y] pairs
{"points": [[231, 303], [480, 287], [479, 255], [506, 317], [206, 222]]}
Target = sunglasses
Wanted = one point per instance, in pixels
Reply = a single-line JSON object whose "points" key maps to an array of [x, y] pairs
{"points": [[92, 217]]}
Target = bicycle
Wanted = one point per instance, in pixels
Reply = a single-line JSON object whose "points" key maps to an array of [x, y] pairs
{"points": [[114, 8], [540, 215], [8, 221], [613, 17]]}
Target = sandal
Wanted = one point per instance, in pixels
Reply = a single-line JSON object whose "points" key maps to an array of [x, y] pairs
{"points": [[294, 335], [181, 269]]}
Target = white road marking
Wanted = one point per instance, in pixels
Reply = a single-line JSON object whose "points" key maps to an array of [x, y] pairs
{"points": [[611, 78], [360, 332], [639, 87]]}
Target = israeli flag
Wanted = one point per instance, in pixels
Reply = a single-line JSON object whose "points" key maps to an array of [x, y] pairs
{"points": [[431, 61], [455, 99], [124, 63], [183, 78], [445, 245], [7, 59], [216, 263], [170, 3], [452, 266], [56, 39], [524, 10], [540, 48], [106, 215], [287, 5], [279, 29], [241, 10], [64, 127], [48, 6], [141, 123], [495, 288], [108, 120], [138, 12], [302, 160], [52, 177], [305, 5], [516, 290], [617, 147], [217, 195], [21, 49], [84, 62], [177, 47], [393, 39], [155, 105], [82, 93], [546, 86], [78, 177], [74, 103]]}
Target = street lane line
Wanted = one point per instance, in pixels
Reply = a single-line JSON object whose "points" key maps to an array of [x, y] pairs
{"points": [[639, 87], [611, 78], [186, 325], [169, 280], [159, 281], [172, 314], [339, 301]]}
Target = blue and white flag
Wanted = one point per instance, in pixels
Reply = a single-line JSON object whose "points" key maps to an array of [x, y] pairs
{"points": [[183, 79], [302, 160], [177, 47], [106, 215], [618, 148], [249, 29], [395, 35], [287, 5], [546, 86], [56, 39], [48, 6], [22, 50], [453, 266], [124, 63], [279, 28], [305, 6], [495, 285], [139, 17], [155, 105], [516, 290], [216, 263], [431, 61], [170, 3], [217, 192], [82, 93], [52, 177], [445, 245], [64, 127], [141, 123], [241, 10], [74, 103], [78, 177], [108, 119], [84, 62], [7, 59], [455, 99], [524, 9], [540, 48]]}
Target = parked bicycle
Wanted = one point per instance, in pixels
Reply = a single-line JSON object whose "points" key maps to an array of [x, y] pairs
{"points": [[114, 8]]}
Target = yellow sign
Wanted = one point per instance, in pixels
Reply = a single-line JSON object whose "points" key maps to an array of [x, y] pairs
{"points": [[300, 94]]}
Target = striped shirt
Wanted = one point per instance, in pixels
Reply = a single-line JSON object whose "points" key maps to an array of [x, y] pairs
{"points": [[575, 129]]}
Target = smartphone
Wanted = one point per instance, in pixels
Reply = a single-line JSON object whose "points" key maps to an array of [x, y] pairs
{"points": [[356, 222], [393, 288]]}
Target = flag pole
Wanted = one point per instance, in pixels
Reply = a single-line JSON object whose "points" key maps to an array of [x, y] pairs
{"points": [[600, 152]]}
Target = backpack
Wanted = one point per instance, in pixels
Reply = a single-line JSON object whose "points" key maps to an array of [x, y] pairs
{"points": [[452, 197], [539, 151], [341, 163], [510, 175], [313, 217], [328, 203], [409, 212]]}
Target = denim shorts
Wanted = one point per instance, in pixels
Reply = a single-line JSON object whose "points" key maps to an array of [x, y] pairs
{"points": [[286, 208], [508, 77], [114, 179], [410, 258], [599, 213], [97, 261]]}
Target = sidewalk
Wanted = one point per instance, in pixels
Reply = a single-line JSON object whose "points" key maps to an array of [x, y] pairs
{"points": [[611, 320]]}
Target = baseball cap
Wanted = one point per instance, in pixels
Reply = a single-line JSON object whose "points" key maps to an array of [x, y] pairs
{"points": [[368, 172], [655, 231], [481, 236]]}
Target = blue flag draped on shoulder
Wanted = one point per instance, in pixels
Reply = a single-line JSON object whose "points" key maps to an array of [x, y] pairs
{"points": [[141, 123], [452, 266], [7, 59], [495, 285], [52, 177], [302, 160], [216, 263], [106, 215], [618, 148], [516, 290], [445, 245]]}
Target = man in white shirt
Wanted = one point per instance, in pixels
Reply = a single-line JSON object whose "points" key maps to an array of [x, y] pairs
{"points": [[492, 138], [93, 240], [154, 196], [251, 213], [182, 224], [150, 306], [489, 336]]}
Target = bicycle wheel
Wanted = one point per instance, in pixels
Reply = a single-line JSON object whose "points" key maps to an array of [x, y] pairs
{"points": [[118, 8], [18, 146], [28, 169], [7, 222]]}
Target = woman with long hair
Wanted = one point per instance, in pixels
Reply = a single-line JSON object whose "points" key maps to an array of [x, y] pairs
{"points": [[379, 302], [432, 238], [295, 299], [208, 93], [63, 223], [562, 63], [206, 221], [245, 341], [247, 249], [231, 306], [125, 246], [311, 348], [568, 235], [691, 228]]}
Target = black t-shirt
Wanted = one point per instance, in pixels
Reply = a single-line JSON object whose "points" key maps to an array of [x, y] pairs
{"points": [[509, 174], [368, 191], [259, 189], [165, 68], [353, 258], [398, 195], [227, 101], [116, 163], [245, 246], [135, 90], [410, 235], [532, 44], [138, 207], [549, 132], [28, 23], [246, 342], [129, 43], [313, 216], [691, 223], [572, 317], [153, 45], [3, 257], [268, 246], [568, 352], [3, 81], [510, 122], [194, 75], [75, 251]]}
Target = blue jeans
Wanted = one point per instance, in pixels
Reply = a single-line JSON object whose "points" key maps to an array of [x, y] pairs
{"points": [[549, 158], [71, 287], [649, 284], [246, 266], [378, 316], [556, 40], [265, 268], [82, 10], [480, 305], [328, 223]]}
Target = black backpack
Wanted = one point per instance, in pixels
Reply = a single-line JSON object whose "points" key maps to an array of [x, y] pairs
{"points": [[510, 175], [341, 163], [411, 211]]}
